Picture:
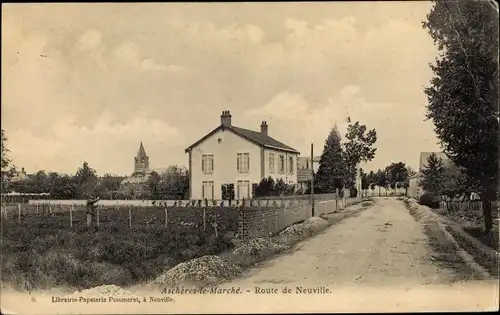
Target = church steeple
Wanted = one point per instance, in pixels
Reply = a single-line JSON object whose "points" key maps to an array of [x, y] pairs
{"points": [[141, 153], [141, 161]]}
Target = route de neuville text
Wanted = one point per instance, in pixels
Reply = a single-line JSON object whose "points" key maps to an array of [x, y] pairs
{"points": [[255, 290]]}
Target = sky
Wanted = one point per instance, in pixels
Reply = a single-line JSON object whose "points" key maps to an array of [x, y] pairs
{"points": [[89, 82]]}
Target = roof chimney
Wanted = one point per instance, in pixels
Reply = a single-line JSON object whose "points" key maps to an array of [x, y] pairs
{"points": [[225, 118], [263, 128]]}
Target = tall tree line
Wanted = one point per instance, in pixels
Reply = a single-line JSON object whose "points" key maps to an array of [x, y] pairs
{"points": [[463, 94]]}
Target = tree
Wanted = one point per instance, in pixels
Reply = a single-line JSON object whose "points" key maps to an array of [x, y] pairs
{"points": [[86, 181], [463, 95], [109, 184], [174, 183], [365, 184], [372, 187], [397, 174], [40, 182], [60, 187], [280, 187], [265, 187], [456, 182], [410, 175], [331, 165], [8, 171], [154, 186], [432, 175], [358, 148], [381, 180]]}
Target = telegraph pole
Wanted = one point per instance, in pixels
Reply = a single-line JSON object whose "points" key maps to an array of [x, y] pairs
{"points": [[312, 179]]}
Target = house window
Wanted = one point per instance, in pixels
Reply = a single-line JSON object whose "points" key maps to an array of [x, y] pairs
{"points": [[243, 189], [207, 163], [282, 164], [271, 162], [243, 162], [290, 165], [207, 189]]}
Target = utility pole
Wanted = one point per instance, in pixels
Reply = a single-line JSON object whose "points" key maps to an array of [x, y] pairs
{"points": [[312, 179], [360, 182]]}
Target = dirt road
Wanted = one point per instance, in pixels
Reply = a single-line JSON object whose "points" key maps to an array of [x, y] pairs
{"points": [[383, 246], [377, 261]]}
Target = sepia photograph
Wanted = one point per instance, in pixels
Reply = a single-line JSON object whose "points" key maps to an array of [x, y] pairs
{"points": [[239, 157]]}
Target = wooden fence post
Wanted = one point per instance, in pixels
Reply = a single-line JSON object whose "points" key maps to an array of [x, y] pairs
{"points": [[71, 209], [336, 199], [276, 218], [19, 213], [204, 220], [97, 216], [215, 228], [129, 217], [166, 217]]}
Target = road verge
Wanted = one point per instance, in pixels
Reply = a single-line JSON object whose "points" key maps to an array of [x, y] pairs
{"points": [[450, 240]]}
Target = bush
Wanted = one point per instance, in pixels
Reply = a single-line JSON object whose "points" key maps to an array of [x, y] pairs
{"points": [[429, 200]]}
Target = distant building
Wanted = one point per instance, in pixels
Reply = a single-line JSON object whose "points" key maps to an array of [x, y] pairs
{"points": [[142, 171], [20, 176], [242, 157], [414, 189], [304, 171]]}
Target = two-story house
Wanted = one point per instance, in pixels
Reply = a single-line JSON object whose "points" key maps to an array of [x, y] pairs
{"points": [[234, 155]]}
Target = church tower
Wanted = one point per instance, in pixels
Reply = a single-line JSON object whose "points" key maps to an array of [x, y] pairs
{"points": [[141, 161]]}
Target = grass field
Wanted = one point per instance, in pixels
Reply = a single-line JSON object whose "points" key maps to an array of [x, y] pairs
{"points": [[42, 251]]}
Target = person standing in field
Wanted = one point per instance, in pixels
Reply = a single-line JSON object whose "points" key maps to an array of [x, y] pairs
{"points": [[91, 208]]}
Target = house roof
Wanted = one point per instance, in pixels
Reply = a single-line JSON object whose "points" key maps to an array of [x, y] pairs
{"points": [[424, 156], [250, 135]]}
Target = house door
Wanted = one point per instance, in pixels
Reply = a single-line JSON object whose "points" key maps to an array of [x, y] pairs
{"points": [[243, 189]]}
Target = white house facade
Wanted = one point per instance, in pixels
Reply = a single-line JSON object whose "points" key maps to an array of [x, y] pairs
{"points": [[414, 189], [238, 156]]}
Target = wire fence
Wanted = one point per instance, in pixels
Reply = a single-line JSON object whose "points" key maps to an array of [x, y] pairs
{"points": [[255, 217]]}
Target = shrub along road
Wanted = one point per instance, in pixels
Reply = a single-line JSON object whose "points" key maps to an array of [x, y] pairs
{"points": [[383, 246]]}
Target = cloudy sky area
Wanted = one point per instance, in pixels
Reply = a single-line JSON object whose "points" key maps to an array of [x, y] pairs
{"points": [[90, 81]]}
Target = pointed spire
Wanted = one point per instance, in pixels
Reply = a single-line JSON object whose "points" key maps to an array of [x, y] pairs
{"points": [[141, 153]]}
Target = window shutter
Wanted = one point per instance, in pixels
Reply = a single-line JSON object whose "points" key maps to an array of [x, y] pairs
{"points": [[203, 164], [238, 162], [212, 162], [203, 190], [212, 190]]}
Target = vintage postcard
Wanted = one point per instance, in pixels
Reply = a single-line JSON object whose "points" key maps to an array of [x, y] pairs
{"points": [[177, 158]]}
